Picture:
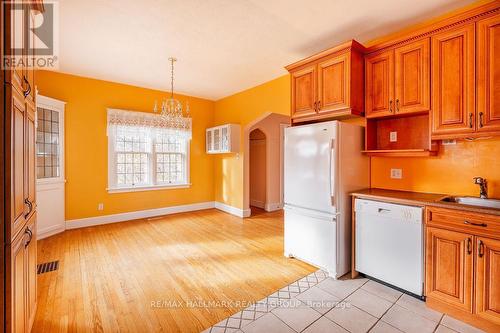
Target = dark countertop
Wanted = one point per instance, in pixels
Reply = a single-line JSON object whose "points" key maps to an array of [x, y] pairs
{"points": [[419, 199]]}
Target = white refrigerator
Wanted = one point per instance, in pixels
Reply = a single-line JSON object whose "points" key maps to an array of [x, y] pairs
{"points": [[323, 164]]}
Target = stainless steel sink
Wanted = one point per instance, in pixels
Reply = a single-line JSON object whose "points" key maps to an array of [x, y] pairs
{"points": [[491, 203]]}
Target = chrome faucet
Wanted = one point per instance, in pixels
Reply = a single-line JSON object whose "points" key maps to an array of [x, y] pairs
{"points": [[483, 194]]}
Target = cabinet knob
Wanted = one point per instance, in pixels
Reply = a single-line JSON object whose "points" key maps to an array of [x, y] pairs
{"points": [[319, 105], [470, 120], [397, 105], [480, 249], [481, 120], [28, 90], [469, 246], [390, 106]]}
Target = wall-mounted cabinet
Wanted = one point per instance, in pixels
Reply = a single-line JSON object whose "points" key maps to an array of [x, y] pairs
{"points": [[328, 85], [397, 80], [223, 139]]}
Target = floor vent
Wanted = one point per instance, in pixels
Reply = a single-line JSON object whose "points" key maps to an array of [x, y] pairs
{"points": [[47, 267]]}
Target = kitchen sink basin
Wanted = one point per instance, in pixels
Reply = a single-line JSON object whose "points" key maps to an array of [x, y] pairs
{"points": [[490, 203]]}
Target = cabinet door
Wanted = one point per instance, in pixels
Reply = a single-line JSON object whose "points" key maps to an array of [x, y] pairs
{"points": [[304, 92], [488, 74], [16, 161], [14, 42], [16, 305], [333, 84], [379, 84], [29, 148], [29, 73], [488, 279], [31, 262], [448, 267], [453, 82], [412, 77]]}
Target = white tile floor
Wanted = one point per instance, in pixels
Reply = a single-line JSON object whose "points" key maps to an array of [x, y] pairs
{"points": [[318, 304]]}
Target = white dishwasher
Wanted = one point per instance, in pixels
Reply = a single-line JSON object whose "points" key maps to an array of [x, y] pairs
{"points": [[389, 243]]}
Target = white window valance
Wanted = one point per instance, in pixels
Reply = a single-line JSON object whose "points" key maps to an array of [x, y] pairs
{"points": [[119, 118]]}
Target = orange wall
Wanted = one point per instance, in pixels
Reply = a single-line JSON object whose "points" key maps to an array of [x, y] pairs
{"points": [[243, 108], [450, 172], [86, 145]]}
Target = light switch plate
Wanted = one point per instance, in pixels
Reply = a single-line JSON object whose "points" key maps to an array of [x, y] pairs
{"points": [[100, 206], [393, 137], [396, 173]]}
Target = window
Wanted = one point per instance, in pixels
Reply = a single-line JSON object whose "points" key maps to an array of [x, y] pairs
{"points": [[143, 155]]}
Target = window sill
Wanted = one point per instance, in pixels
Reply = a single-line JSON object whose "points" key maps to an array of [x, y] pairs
{"points": [[147, 188]]}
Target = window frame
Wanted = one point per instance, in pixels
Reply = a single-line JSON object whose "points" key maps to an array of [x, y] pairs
{"points": [[153, 184]]}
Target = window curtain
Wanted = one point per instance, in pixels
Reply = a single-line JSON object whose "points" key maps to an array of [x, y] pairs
{"points": [[143, 121]]}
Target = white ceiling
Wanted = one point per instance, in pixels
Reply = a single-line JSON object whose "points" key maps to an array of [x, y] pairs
{"points": [[223, 46]]}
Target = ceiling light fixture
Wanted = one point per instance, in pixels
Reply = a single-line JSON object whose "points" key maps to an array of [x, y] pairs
{"points": [[172, 110]]}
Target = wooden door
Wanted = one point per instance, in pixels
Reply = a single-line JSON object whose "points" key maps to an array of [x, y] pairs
{"points": [[31, 263], [412, 77], [304, 92], [488, 74], [15, 163], [16, 302], [448, 267], [453, 81], [14, 42], [379, 84], [29, 148], [333, 84], [488, 279]]}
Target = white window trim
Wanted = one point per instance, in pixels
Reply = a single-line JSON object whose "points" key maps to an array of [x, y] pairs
{"points": [[112, 188]]}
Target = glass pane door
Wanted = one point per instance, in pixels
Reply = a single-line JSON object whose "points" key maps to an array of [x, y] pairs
{"points": [[48, 153]]}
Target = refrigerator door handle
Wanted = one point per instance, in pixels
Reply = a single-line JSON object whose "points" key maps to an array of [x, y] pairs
{"points": [[332, 171]]}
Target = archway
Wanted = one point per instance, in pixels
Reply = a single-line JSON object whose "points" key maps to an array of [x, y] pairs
{"points": [[258, 170]]}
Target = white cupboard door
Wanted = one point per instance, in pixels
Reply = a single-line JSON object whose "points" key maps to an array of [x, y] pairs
{"points": [[50, 166]]}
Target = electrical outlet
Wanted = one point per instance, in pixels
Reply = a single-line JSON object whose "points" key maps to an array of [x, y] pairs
{"points": [[396, 173], [100, 206], [393, 137]]}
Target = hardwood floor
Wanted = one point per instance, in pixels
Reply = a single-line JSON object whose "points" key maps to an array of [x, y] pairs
{"points": [[131, 276]]}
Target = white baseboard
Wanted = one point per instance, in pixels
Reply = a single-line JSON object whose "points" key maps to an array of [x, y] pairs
{"points": [[271, 207], [140, 214], [257, 203], [52, 230], [232, 210]]}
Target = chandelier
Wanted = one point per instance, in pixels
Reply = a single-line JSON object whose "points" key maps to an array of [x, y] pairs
{"points": [[171, 109]]}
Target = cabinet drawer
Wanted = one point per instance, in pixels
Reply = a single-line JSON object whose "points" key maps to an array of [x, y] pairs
{"points": [[476, 223]]}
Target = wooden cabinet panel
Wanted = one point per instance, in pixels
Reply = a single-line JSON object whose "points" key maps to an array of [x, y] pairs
{"points": [[453, 81], [304, 92], [488, 74], [16, 163], [30, 142], [14, 42], [379, 82], [488, 279], [30, 54], [17, 286], [449, 274], [412, 77], [31, 263], [333, 83]]}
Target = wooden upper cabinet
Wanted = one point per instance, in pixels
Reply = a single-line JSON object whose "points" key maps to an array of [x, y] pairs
{"points": [[488, 74], [333, 80], [329, 84], [453, 82], [304, 92], [14, 42], [412, 77], [448, 267], [487, 279], [379, 82]]}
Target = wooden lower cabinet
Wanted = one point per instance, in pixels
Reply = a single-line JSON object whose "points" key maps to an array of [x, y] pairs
{"points": [[449, 261], [488, 279], [22, 280], [462, 266]]}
